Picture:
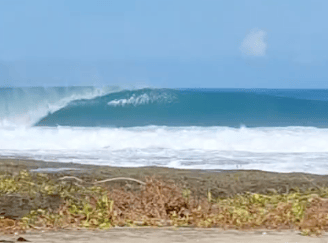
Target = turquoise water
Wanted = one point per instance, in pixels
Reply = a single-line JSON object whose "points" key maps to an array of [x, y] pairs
{"points": [[167, 107]]}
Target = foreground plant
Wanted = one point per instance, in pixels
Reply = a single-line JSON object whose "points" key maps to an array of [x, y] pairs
{"points": [[159, 203]]}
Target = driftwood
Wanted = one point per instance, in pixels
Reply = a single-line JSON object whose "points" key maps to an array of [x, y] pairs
{"points": [[103, 181]]}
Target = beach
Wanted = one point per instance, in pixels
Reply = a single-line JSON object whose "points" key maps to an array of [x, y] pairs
{"points": [[165, 236], [163, 121], [219, 183]]}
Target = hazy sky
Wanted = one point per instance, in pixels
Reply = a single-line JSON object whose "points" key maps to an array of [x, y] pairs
{"points": [[165, 43]]}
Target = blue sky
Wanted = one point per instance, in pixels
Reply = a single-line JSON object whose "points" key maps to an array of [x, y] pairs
{"points": [[164, 43]]}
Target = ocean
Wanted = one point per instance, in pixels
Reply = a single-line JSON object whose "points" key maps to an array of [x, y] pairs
{"points": [[211, 129]]}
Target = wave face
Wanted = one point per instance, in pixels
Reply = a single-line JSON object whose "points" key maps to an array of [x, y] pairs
{"points": [[272, 130], [167, 107]]}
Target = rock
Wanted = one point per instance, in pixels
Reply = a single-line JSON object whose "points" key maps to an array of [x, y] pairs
{"points": [[22, 239]]}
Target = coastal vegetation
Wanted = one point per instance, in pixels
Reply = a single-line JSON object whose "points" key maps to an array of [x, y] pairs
{"points": [[38, 201]]}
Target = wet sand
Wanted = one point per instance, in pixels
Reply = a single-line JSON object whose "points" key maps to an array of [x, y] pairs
{"points": [[125, 235]]}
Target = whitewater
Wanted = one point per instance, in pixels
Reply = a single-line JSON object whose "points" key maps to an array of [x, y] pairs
{"points": [[271, 130]]}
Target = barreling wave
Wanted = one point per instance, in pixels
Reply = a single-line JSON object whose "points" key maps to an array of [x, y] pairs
{"points": [[114, 107], [26, 106], [169, 107]]}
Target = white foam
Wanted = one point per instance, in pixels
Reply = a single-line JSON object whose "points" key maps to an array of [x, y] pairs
{"points": [[302, 149], [142, 99]]}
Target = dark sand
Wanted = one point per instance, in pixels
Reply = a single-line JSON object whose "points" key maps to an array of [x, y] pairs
{"points": [[220, 183]]}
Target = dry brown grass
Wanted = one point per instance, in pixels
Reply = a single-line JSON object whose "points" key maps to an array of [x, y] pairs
{"points": [[315, 219], [160, 203]]}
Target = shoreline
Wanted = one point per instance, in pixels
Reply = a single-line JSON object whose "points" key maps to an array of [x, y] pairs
{"points": [[219, 183]]}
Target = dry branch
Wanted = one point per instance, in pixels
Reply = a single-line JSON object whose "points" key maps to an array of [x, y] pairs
{"points": [[103, 181]]}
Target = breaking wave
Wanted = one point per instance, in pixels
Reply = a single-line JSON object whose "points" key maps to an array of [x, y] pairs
{"points": [[281, 131], [169, 107]]}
